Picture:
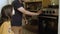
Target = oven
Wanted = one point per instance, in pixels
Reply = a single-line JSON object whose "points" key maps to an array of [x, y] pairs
{"points": [[48, 21]]}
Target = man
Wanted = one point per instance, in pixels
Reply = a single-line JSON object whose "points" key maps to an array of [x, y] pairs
{"points": [[17, 18]]}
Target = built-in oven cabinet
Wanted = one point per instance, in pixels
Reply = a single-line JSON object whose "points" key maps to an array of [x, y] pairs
{"points": [[48, 25]]}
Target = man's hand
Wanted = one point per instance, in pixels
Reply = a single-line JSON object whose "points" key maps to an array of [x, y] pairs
{"points": [[39, 12], [24, 11]]}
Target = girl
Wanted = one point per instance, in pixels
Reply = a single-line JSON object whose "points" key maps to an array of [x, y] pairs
{"points": [[5, 24]]}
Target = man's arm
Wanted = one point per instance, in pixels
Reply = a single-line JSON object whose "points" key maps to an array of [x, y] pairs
{"points": [[21, 9]]}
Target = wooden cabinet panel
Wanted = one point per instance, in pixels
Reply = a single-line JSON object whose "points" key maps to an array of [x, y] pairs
{"points": [[45, 3], [32, 0]]}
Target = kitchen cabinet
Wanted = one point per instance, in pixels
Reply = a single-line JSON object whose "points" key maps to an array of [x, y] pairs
{"points": [[33, 6], [45, 3], [32, 0]]}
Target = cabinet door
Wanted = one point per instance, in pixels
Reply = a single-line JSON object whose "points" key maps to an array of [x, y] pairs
{"points": [[32, 0], [45, 3]]}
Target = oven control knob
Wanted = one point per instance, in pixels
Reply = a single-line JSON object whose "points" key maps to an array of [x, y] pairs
{"points": [[50, 12], [43, 12], [47, 12], [53, 12]]}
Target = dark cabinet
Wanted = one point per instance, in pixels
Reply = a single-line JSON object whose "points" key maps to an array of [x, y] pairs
{"points": [[48, 25]]}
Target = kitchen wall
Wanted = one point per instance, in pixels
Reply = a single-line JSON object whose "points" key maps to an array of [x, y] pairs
{"points": [[55, 1], [10, 1], [2, 3], [59, 19]]}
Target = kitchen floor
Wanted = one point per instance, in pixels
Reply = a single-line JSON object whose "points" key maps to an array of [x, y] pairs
{"points": [[25, 31]]}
